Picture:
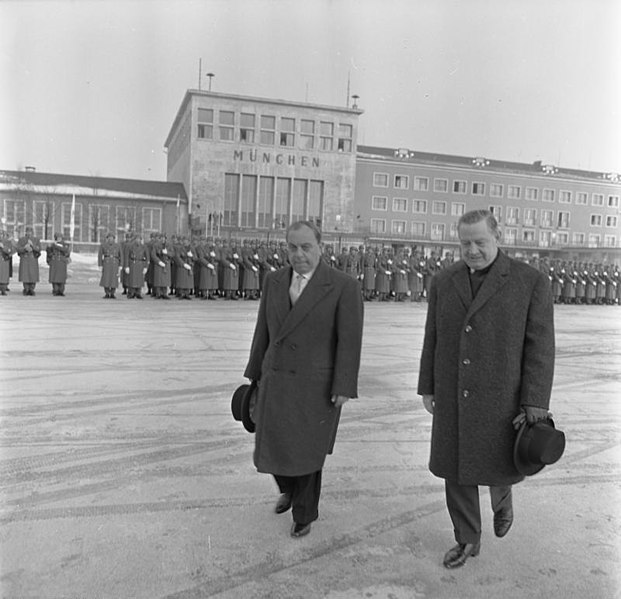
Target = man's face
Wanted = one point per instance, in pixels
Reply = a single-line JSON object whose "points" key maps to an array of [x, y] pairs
{"points": [[304, 251], [478, 245]]}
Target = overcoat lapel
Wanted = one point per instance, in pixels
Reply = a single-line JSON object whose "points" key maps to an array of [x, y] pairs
{"points": [[462, 284], [494, 281], [315, 290]]}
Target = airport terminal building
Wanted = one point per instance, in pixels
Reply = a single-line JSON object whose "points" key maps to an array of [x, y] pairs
{"points": [[246, 167]]}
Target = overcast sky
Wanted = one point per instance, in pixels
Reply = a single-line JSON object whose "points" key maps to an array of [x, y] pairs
{"points": [[92, 87]]}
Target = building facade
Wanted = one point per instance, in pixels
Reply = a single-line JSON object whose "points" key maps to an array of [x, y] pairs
{"points": [[252, 165], [415, 198], [45, 201]]}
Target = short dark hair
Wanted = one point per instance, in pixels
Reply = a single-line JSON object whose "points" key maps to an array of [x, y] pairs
{"points": [[305, 223], [475, 216]]}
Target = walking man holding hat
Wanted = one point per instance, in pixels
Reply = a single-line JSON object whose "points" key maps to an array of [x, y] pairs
{"points": [[305, 357], [487, 361]]}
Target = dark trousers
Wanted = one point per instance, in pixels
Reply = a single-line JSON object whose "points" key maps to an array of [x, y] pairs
{"points": [[463, 506], [305, 491]]}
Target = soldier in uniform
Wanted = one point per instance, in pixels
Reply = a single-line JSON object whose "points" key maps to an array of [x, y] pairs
{"points": [[383, 275], [162, 256], [568, 292], [29, 250], [109, 260], [400, 276], [600, 292], [342, 258], [591, 284], [352, 263], [415, 277], [184, 258], [329, 257], [150, 269], [57, 258], [135, 264], [231, 260], [369, 262], [252, 263], [208, 259], [127, 237], [579, 275], [6, 256]]}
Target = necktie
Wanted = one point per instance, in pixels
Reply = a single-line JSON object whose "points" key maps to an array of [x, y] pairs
{"points": [[296, 288]]}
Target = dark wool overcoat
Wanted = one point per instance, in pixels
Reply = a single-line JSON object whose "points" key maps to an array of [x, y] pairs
{"points": [[301, 356], [28, 260], [109, 260], [482, 360]]}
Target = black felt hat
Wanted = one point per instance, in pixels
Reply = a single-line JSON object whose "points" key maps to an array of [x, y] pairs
{"points": [[242, 405], [536, 446]]}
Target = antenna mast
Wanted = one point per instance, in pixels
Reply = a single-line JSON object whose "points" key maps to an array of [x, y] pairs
{"points": [[200, 70]]}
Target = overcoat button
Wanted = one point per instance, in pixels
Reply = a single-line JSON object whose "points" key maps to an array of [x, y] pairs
{"points": [[468, 328], [466, 393], [466, 361]]}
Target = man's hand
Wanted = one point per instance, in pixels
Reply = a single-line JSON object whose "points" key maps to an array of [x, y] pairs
{"points": [[429, 403], [534, 414], [339, 400]]}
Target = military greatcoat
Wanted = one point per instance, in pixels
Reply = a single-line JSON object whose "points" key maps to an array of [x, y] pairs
{"points": [[482, 359]]}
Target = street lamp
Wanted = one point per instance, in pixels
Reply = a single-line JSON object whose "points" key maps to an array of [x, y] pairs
{"points": [[210, 76]]}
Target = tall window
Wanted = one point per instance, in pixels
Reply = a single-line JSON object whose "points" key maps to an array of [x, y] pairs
{"points": [[266, 197], [246, 127], [227, 125], [399, 205], [421, 184], [41, 219], [125, 218], [418, 229], [528, 235], [610, 241], [402, 181], [99, 222], [457, 208], [248, 197], [151, 221], [298, 203], [478, 188], [437, 231], [514, 192], [530, 216], [582, 198], [594, 240], [597, 199], [379, 203], [419, 206], [326, 135], [612, 221], [579, 238], [315, 202], [497, 212], [496, 190], [509, 235], [564, 197], [307, 134], [440, 185], [15, 216], [205, 123], [399, 227], [562, 220], [513, 215], [283, 193], [231, 200], [613, 201], [378, 225], [596, 220], [546, 218], [287, 132], [380, 179], [548, 195], [438, 207], [532, 194], [346, 134], [268, 129], [459, 186]]}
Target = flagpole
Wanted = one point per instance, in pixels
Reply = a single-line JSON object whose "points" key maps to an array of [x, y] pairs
{"points": [[72, 223]]}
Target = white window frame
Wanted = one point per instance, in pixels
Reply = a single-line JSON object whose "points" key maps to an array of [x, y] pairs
{"points": [[418, 184], [436, 187], [548, 191], [378, 174], [531, 191], [475, 185], [378, 229], [384, 209], [613, 201], [462, 184], [596, 217], [404, 178], [565, 196], [458, 208], [415, 202], [582, 198], [435, 204], [597, 199], [517, 192], [416, 223], [394, 204], [613, 219], [393, 227], [492, 191]]}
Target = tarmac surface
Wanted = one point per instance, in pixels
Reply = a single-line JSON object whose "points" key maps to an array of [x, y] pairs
{"points": [[124, 475]]}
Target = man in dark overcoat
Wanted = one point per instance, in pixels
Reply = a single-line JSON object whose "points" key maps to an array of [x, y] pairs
{"points": [[305, 356], [487, 358], [109, 259]]}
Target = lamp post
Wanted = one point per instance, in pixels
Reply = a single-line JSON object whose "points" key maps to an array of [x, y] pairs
{"points": [[210, 76], [355, 98]]}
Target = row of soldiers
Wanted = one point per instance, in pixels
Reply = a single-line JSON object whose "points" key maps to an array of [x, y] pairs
{"points": [[29, 249], [581, 282], [209, 268]]}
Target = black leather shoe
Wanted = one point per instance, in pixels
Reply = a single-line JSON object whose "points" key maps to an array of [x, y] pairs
{"points": [[457, 556], [283, 504], [503, 519], [300, 530]]}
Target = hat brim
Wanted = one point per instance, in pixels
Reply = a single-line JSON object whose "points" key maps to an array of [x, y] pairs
{"points": [[236, 401], [247, 407], [523, 466]]}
